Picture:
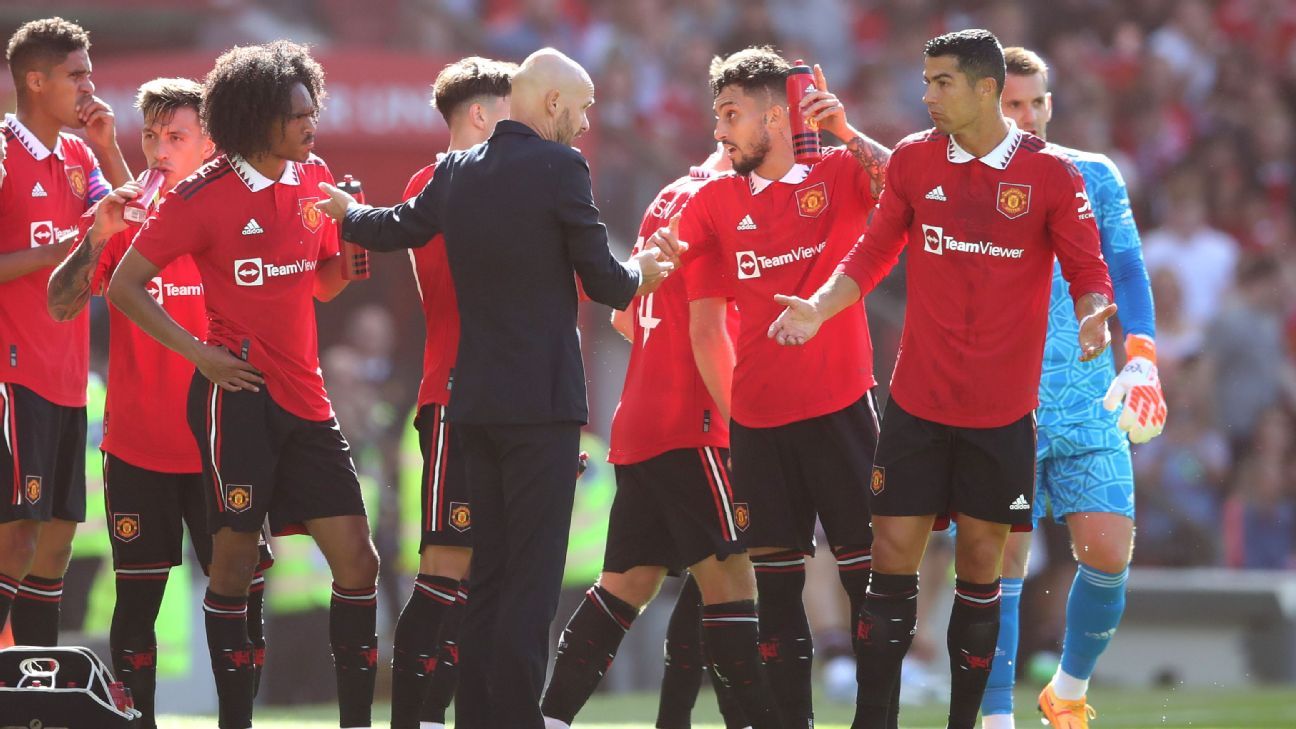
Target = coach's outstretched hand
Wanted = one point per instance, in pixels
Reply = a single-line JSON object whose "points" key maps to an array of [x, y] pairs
{"points": [[798, 323], [226, 370], [653, 269], [337, 203]]}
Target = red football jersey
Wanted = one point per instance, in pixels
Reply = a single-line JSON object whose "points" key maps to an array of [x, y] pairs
{"points": [[144, 414], [665, 404], [440, 308], [785, 237], [42, 198], [256, 243], [982, 235]]}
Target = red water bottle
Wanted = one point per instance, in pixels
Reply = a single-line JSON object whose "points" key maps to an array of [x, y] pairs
{"points": [[137, 208], [805, 132], [355, 260]]}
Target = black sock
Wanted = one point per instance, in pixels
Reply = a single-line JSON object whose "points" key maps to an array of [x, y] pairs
{"points": [[8, 592], [785, 642], [256, 627], [414, 655], [973, 632], [684, 658], [854, 565], [585, 652], [132, 639], [445, 679], [353, 617], [731, 632], [231, 658], [883, 634], [35, 612]]}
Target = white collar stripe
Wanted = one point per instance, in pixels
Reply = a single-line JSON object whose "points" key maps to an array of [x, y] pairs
{"points": [[998, 158], [255, 181], [34, 146], [797, 174]]}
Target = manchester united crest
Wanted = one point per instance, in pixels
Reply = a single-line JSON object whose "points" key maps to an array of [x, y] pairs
{"points": [[238, 498], [877, 483], [77, 180], [742, 517], [32, 489], [311, 216], [1014, 200], [126, 527], [812, 201], [460, 516]]}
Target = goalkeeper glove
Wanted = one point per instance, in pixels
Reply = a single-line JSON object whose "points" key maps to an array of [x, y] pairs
{"points": [[1144, 414]]}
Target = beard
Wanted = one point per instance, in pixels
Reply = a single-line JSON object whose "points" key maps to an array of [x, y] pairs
{"points": [[747, 162], [567, 128]]}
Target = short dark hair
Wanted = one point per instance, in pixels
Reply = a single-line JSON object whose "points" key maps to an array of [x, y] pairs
{"points": [[977, 50], [469, 78], [247, 94], [751, 69], [158, 100], [39, 45], [1023, 62]]}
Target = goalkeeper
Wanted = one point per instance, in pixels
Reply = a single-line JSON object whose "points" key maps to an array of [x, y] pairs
{"points": [[1083, 473]]}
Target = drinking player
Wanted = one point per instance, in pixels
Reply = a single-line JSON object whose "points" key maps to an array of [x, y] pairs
{"points": [[51, 179], [270, 443], [984, 208]]}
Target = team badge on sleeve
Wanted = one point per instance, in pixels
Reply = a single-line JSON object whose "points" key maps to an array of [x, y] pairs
{"points": [[813, 200], [877, 483], [311, 216], [238, 498], [460, 516], [126, 527], [742, 517], [1014, 200], [77, 179], [32, 489]]}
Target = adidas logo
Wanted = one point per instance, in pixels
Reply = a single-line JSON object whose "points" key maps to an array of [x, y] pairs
{"points": [[1021, 502], [747, 223], [936, 194], [39, 191], [252, 228]]}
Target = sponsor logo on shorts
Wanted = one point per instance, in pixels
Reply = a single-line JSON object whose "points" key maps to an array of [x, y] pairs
{"points": [[32, 489], [1020, 504], [460, 516], [877, 482], [742, 516], [812, 201], [238, 498], [126, 527]]}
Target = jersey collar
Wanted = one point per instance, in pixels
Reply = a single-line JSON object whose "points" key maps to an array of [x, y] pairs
{"points": [[797, 174], [998, 158], [29, 141], [255, 181]]}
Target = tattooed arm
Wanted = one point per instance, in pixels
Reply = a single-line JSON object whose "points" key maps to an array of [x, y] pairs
{"points": [[828, 111], [873, 157], [69, 285]]}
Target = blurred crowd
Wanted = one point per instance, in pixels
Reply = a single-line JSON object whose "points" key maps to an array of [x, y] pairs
{"points": [[1193, 99]]}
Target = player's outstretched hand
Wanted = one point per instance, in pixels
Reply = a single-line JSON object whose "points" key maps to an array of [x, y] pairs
{"points": [[1094, 334], [666, 239], [108, 215], [226, 370], [797, 324], [653, 269], [337, 203]]}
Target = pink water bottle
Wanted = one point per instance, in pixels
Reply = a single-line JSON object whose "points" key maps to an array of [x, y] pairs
{"points": [[805, 132], [355, 260], [137, 208]]}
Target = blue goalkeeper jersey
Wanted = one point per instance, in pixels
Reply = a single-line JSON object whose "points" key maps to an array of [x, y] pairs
{"points": [[1071, 391]]}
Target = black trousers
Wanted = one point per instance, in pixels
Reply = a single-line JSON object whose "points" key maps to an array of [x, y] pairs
{"points": [[523, 482]]}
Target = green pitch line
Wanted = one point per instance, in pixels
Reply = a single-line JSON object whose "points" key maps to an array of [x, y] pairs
{"points": [[1267, 708]]}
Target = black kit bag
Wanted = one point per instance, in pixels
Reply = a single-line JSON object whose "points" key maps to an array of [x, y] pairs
{"points": [[61, 687]]}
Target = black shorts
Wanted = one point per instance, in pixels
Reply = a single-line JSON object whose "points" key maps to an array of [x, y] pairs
{"points": [[923, 467], [818, 467], [42, 459], [446, 518], [674, 510], [260, 460], [148, 513]]}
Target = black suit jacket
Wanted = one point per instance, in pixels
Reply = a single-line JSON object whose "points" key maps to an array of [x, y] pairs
{"points": [[518, 217]]}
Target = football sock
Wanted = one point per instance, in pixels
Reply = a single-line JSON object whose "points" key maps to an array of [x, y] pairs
{"points": [[132, 639], [231, 658], [445, 679], [731, 633], [973, 630], [415, 646], [854, 565], [1003, 672], [8, 593], [1094, 609], [684, 658], [35, 611], [883, 634], [353, 615], [256, 627], [585, 651], [785, 642]]}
